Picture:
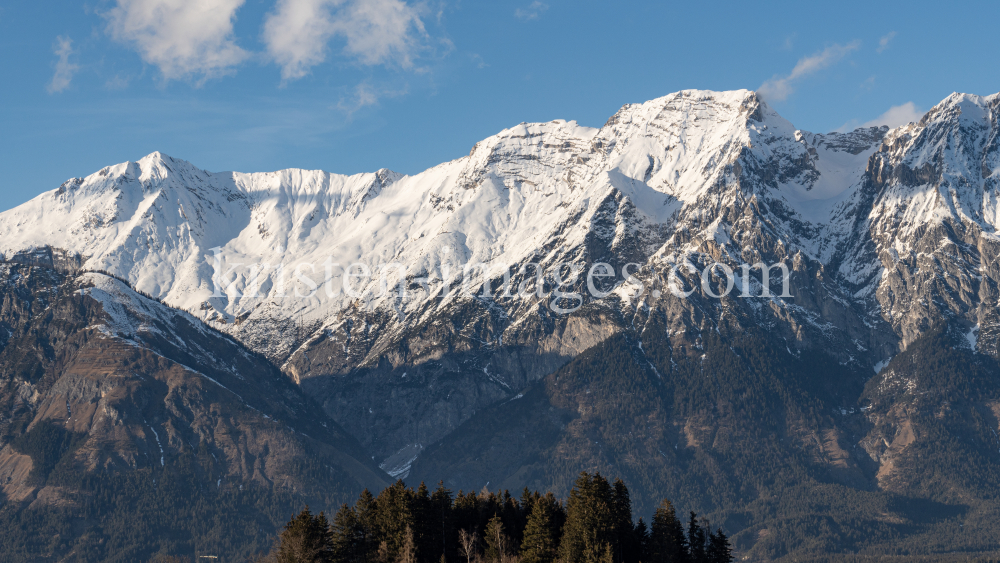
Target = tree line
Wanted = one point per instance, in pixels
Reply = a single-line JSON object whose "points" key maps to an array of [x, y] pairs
{"points": [[593, 525]]}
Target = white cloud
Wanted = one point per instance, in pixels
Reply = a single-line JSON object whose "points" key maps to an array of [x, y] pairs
{"points": [[883, 43], [779, 88], [894, 117], [64, 69], [374, 32], [532, 12], [184, 38]]}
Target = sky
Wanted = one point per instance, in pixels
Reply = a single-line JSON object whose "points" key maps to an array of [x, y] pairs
{"points": [[353, 86]]}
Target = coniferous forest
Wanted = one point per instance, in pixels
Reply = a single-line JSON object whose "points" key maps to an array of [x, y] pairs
{"points": [[403, 525]]}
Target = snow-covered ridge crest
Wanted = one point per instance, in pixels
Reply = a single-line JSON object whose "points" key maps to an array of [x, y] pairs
{"points": [[683, 164], [129, 315]]}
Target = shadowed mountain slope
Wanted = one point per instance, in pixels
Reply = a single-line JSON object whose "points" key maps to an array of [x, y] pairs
{"points": [[117, 411]]}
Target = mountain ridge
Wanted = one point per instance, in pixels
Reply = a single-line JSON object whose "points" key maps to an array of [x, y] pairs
{"points": [[888, 237], [492, 159], [724, 164]]}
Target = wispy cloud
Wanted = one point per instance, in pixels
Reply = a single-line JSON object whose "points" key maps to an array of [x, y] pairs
{"points": [[779, 88], [184, 38], [478, 60], [374, 31], [366, 94], [117, 82], [883, 43], [65, 70], [896, 116], [532, 12], [789, 43], [893, 117]]}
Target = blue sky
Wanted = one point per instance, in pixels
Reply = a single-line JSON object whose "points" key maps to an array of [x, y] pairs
{"points": [[356, 85]]}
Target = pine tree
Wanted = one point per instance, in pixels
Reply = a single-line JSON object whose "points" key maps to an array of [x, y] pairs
{"points": [[541, 535], [305, 539], [528, 500], [489, 506], [393, 515], [599, 552], [641, 534], [406, 526], [513, 520], [466, 512], [442, 515], [590, 521], [365, 510], [666, 542], [719, 550], [696, 540], [346, 537], [498, 544], [625, 546], [425, 528]]}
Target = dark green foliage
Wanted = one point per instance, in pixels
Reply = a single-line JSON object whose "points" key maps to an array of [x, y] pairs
{"points": [[394, 516], [589, 532], [440, 525], [498, 547], [595, 527], [625, 543], [140, 515], [347, 536], [544, 528], [666, 543], [366, 511], [47, 444], [696, 540], [718, 550], [305, 539], [642, 540]]}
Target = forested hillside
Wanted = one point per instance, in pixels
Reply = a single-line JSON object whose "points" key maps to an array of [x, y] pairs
{"points": [[759, 441], [594, 525]]}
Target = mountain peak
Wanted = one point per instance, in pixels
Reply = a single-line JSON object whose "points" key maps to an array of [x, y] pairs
{"points": [[960, 108], [155, 156], [159, 166]]}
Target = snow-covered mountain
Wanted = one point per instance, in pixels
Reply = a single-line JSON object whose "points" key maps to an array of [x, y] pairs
{"points": [[156, 221], [874, 375], [887, 234]]}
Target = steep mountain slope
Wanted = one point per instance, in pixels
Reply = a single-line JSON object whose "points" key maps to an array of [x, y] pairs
{"points": [[103, 389], [924, 244], [779, 450]]}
